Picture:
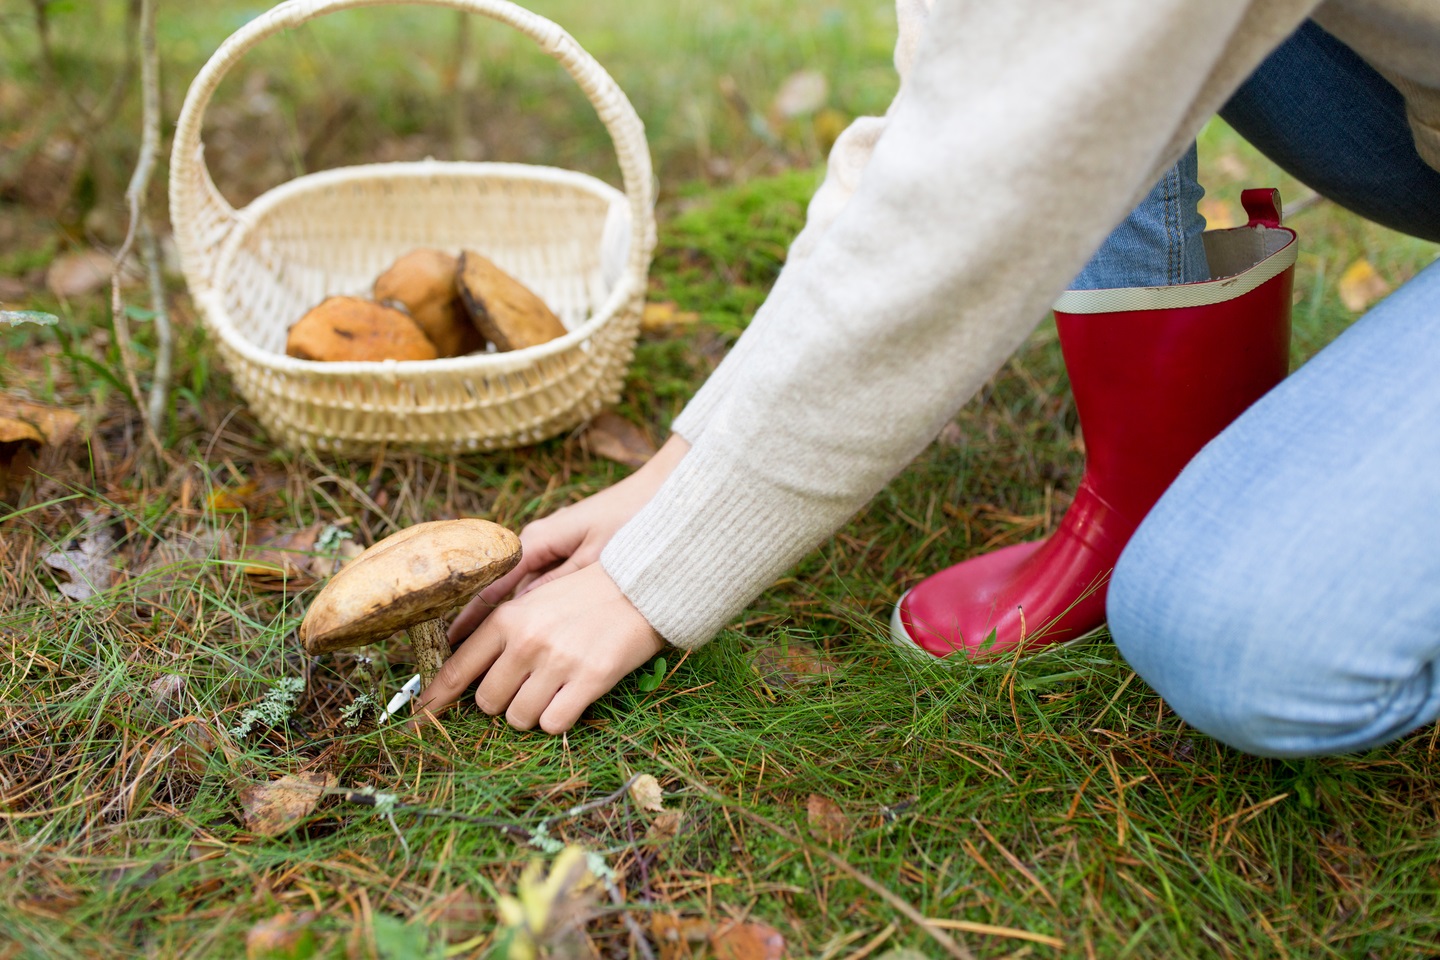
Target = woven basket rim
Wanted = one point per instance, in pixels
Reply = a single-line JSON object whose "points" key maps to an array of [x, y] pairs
{"points": [[221, 324]]}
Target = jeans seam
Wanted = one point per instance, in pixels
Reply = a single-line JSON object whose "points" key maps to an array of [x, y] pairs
{"points": [[1171, 205]]}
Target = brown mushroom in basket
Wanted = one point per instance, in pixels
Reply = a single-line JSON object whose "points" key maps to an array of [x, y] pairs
{"points": [[424, 282], [410, 581], [509, 313], [348, 328]]}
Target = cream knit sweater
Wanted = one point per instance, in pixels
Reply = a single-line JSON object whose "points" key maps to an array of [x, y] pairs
{"points": [[1023, 132]]}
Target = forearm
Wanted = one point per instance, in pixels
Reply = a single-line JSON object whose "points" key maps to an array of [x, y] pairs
{"points": [[1028, 132]]}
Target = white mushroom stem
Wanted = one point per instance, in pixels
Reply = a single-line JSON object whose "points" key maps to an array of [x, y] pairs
{"points": [[431, 641]]}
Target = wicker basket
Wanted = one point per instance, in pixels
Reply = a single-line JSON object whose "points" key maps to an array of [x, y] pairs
{"points": [[580, 244]]}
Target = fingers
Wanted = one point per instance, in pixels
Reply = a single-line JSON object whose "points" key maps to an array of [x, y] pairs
{"points": [[566, 706], [502, 681], [475, 656], [530, 701], [569, 566]]}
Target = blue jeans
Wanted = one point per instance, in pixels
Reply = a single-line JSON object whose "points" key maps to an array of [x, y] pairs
{"points": [[1284, 594]]}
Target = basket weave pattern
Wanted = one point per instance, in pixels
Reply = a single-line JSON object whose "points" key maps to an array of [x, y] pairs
{"points": [[580, 244]]}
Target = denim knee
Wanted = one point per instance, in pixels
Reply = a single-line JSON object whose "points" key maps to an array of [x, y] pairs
{"points": [[1166, 627]]}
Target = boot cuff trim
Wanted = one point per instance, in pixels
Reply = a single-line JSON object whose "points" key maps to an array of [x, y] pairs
{"points": [[1241, 259]]}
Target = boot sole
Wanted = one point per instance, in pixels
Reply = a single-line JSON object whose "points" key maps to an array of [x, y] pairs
{"points": [[900, 637]]}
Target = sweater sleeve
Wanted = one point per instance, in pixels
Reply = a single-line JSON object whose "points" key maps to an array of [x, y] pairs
{"points": [[1028, 130], [843, 168]]}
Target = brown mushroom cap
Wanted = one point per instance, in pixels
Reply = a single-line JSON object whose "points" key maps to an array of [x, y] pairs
{"points": [[509, 313], [424, 281], [348, 328], [415, 575]]}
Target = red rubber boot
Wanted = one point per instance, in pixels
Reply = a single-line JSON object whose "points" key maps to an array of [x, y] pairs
{"points": [[1156, 373]]}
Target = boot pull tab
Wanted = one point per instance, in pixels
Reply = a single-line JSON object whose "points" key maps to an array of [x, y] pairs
{"points": [[1262, 205]]}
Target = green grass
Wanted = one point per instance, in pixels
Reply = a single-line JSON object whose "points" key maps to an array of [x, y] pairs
{"points": [[120, 822]]}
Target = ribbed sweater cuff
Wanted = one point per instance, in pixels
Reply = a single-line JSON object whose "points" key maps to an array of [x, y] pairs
{"points": [[691, 561]]}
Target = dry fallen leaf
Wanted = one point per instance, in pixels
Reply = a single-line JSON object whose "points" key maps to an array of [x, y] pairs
{"points": [[748, 941], [17, 433], [665, 827], [232, 501], [801, 93], [548, 913], [272, 808], [55, 424], [323, 565], [646, 793], [87, 567], [83, 272], [613, 437], [1360, 286], [280, 560], [25, 428], [665, 315], [797, 663], [195, 744], [827, 822], [284, 935], [675, 936]]}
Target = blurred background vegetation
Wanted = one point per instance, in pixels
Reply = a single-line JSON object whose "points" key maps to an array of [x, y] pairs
{"points": [[403, 82]]}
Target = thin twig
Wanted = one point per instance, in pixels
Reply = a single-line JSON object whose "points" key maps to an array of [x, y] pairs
{"points": [[135, 199], [637, 933], [164, 337]]}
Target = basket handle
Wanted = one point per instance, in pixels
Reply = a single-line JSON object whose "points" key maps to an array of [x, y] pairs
{"points": [[202, 218]]}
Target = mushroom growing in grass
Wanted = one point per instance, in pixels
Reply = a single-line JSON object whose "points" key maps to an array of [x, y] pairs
{"points": [[409, 581]]}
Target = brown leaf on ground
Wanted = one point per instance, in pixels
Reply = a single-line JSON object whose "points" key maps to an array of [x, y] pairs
{"points": [[1360, 286], [83, 272], [15, 433], [25, 427], [677, 937], [801, 93], [272, 808], [323, 565], [797, 663], [87, 568], [665, 316], [25, 430], [646, 793], [233, 501], [192, 751], [281, 561], [665, 827], [828, 823], [613, 437], [747, 941], [284, 935]]}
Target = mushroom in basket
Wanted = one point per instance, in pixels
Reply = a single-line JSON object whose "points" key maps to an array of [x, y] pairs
{"points": [[410, 581]]}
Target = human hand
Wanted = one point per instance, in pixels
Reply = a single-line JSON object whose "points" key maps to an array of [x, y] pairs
{"points": [[549, 654], [572, 537]]}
